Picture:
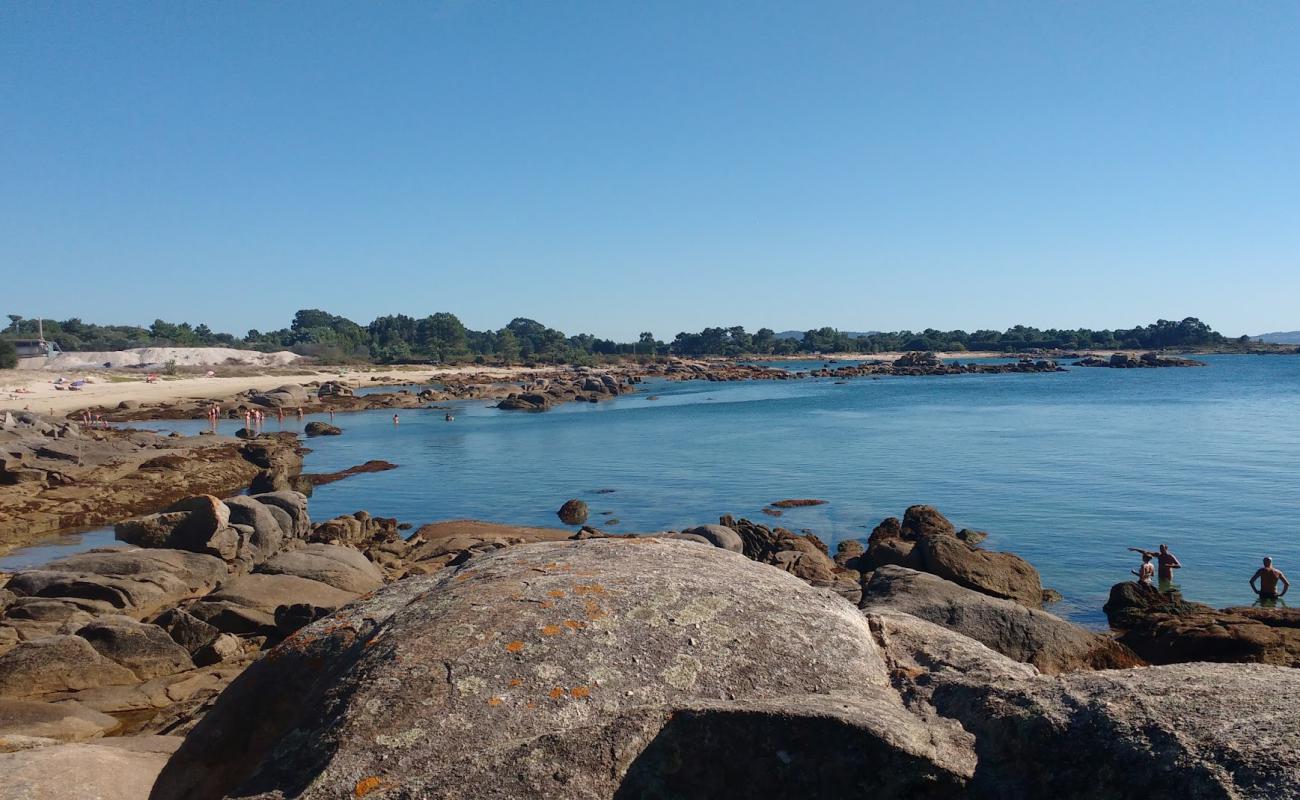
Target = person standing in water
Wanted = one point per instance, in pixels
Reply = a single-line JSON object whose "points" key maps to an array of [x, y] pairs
{"points": [[1168, 563], [1145, 572], [1268, 577], [395, 420]]}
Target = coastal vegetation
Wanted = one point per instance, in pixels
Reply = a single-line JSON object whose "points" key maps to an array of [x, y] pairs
{"points": [[442, 337]]}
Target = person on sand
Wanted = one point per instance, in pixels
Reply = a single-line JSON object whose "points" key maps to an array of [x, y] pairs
{"points": [[1268, 577], [1167, 562], [1145, 572]]}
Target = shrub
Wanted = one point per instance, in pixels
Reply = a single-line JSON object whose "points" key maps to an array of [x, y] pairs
{"points": [[8, 355]]}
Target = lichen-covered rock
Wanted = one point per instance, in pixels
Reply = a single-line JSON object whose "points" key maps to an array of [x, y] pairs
{"points": [[581, 669], [1187, 731], [1035, 637]]}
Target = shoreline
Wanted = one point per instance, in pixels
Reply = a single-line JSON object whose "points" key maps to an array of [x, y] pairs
{"points": [[34, 390]]}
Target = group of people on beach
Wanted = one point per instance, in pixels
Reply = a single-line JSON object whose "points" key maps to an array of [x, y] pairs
{"points": [[1268, 576]]}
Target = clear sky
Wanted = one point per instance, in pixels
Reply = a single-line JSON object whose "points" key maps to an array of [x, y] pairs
{"points": [[613, 167]]}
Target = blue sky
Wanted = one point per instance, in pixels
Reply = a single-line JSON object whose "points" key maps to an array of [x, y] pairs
{"points": [[614, 167]]}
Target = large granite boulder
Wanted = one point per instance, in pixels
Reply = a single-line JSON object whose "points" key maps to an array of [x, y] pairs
{"points": [[1035, 637], [920, 521], [266, 593], [294, 505], [1188, 731], [57, 664], [199, 524], [268, 535], [1005, 575], [137, 582], [343, 568], [288, 395], [719, 536], [147, 650], [105, 769], [60, 722], [582, 669], [1163, 628]]}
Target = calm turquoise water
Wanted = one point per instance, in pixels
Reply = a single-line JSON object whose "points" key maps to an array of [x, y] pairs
{"points": [[1066, 469]]}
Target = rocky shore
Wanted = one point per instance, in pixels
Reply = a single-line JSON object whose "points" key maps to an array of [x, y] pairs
{"points": [[541, 389], [57, 475], [729, 659], [1144, 361]]}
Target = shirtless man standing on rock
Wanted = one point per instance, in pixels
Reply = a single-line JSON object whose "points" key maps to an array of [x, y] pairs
{"points": [[1168, 563], [1268, 577]]}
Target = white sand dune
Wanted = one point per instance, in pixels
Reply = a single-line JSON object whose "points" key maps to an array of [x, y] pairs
{"points": [[161, 356]]}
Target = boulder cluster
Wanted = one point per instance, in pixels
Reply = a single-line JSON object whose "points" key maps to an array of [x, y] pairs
{"points": [[1163, 628], [582, 384], [611, 667], [340, 659], [1130, 361], [57, 474]]}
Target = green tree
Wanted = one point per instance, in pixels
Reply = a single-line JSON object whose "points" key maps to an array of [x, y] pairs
{"points": [[8, 355], [441, 335], [508, 346]]}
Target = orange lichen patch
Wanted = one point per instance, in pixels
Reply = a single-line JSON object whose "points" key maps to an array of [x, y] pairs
{"points": [[594, 611], [556, 693], [580, 693], [574, 625], [515, 646], [588, 588], [464, 576], [545, 604], [495, 701], [531, 705], [367, 785], [515, 682], [555, 593], [551, 630]]}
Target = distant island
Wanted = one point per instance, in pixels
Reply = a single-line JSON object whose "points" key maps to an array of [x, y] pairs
{"points": [[1278, 337], [442, 337]]}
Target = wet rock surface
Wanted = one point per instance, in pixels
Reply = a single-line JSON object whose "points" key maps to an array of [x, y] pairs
{"points": [[1163, 628]]}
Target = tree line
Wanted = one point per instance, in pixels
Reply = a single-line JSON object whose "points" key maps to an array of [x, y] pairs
{"points": [[443, 337]]}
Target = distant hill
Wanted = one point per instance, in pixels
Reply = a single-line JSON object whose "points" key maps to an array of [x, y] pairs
{"points": [[1279, 337], [799, 334]]}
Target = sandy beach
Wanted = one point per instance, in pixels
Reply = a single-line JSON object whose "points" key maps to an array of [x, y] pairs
{"points": [[35, 390]]}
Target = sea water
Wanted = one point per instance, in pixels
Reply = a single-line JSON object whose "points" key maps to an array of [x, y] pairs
{"points": [[1066, 469]]}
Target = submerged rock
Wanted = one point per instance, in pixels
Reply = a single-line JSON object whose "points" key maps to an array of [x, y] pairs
{"points": [[573, 512]]}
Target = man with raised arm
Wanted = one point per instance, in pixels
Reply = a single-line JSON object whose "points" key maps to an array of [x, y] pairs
{"points": [[1168, 563], [1268, 577]]}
